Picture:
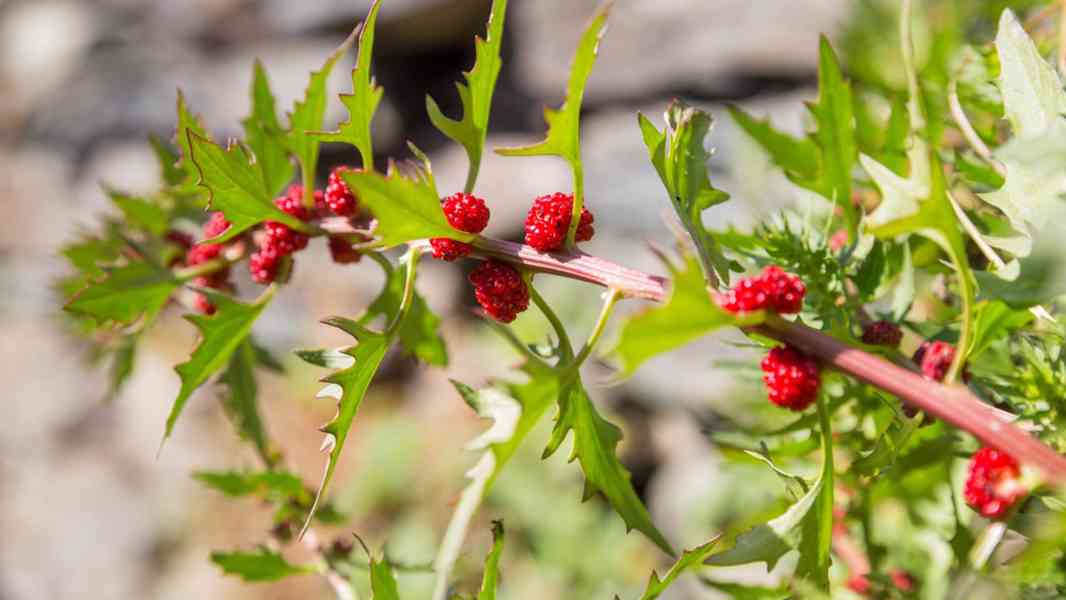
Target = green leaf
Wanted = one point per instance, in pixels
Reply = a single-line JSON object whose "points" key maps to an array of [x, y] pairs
{"points": [[690, 559], [265, 136], [816, 539], [406, 210], [221, 335], [90, 253], [261, 565], [237, 187], [798, 157], [420, 330], [475, 95], [514, 414], [363, 102], [264, 484], [736, 591], [564, 130], [977, 172], [679, 156], [240, 400], [141, 213], [122, 362], [1040, 280], [169, 171], [188, 125], [1033, 98], [348, 387], [993, 321], [690, 313], [595, 443], [835, 134], [307, 117], [382, 581], [125, 294], [492, 564]]}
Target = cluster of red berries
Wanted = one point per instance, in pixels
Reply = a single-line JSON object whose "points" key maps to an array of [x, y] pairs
{"points": [[882, 333], [773, 289], [498, 286], [203, 252], [934, 358], [994, 484], [792, 378], [901, 579]]}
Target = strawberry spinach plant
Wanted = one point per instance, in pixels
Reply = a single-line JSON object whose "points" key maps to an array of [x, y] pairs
{"points": [[908, 316]]}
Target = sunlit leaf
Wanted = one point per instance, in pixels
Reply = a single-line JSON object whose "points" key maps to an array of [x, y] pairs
{"points": [[420, 330], [141, 213], [406, 210], [690, 559], [264, 135], [240, 398], [492, 564], [125, 293], [259, 566]]}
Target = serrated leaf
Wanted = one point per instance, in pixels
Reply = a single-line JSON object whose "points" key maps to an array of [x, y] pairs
{"points": [[240, 399], [221, 335], [88, 254], [308, 114], [264, 135], [264, 484], [188, 125], [406, 210], [475, 95], [141, 212], [382, 581], [690, 559], [125, 294], [169, 171], [690, 313], [680, 157], [1033, 98], [492, 564], [1040, 280], [995, 320], [514, 414], [261, 565], [595, 441], [420, 330], [798, 157], [237, 187], [737, 591], [564, 124], [363, 102], [348, 386], [834, 134]]}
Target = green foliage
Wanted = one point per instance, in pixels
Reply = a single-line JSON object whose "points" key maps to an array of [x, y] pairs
{"points": [[475, 95], [420, 330], [690, 559], [492, 564], [240, 399], [406, 209], [679, 156], [689, 314], [259, 566], [266, 484], [265, 137], [125, 293], [594, 446], [382, 581], [220, 337], [363, 101]]}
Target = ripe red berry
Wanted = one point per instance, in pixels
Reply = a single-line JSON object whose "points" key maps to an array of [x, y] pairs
{"points": [[201, 253], [179, 238], [216, 280], [935, 359], [500, 290], [882, 333], [203, 305], [791, 377], [464, 212], [772, 289], [859, 584], [282, 238], [549, 219], [263, 264], [340, 200], [342, 252], [994, 484], [901, 579], [216, 225], [292, 203]]}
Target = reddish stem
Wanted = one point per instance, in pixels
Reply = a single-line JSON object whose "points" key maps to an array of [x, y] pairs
{"points": [[953, 404]]}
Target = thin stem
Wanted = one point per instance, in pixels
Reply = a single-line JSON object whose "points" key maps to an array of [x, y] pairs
{"points": [[906, 43], [471, 176], [987, 542], [579, 203], [597, 331], [968, 132], [825, 502], [413, 254], [566, 350], [308, 178], [967, 294], [512, 339]]}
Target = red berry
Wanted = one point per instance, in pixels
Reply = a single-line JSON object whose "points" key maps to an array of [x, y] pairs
{"points": [[935, 359], [201, 253], [216, 225], [859, 584], [994, 484], [292, 203], [901, 579], [263, 264], [772, 289], [500, 290], [549, 219], [179, 238], [342, 252], [203, 305], [216, 281], [339, 198], [882, 333], [282, 238], [791, 377], [464, 212]]}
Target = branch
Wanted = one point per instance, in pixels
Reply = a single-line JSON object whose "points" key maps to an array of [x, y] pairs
{"points": [[953, 404]]}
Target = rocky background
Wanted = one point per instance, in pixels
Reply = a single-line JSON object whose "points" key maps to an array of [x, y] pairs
{"points": [[86, 508]]}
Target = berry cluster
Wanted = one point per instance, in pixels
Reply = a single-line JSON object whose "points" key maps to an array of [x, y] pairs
{"points": [[773, 289], [791, 377], [882, 333], [500, 290], [203, 252], [549, 219], [994, 484], [338, 198], [464, 212], [934, 358]]}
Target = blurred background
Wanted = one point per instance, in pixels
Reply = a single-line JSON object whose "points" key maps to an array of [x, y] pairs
{"points": [[88, 511]]}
